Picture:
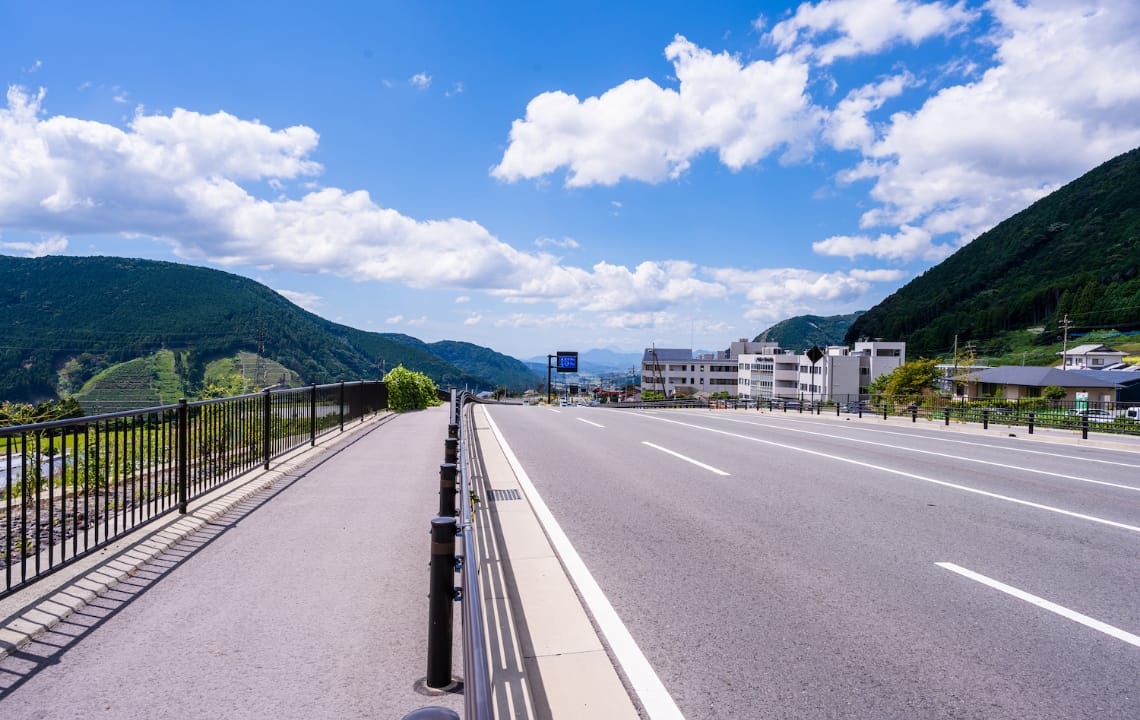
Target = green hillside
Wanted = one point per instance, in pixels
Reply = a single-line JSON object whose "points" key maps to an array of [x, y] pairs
{"points": [[803, 331], [1075, 252], [68, 318]]}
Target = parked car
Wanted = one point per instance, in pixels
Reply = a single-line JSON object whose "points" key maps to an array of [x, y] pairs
{"points": [[856, 407], [1094, 415]]}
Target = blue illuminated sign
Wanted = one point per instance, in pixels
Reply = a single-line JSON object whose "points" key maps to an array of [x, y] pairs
{"points": [[567, 362]]}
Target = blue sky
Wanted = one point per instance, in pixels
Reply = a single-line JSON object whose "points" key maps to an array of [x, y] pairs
{"points": [[554, 176]]}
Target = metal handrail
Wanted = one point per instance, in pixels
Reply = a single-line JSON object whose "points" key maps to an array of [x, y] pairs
{"points": [[70, 487], [477, 688]]}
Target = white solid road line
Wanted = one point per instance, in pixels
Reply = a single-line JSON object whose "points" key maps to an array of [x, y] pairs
{"points": [[963, 458], [589, 422], [912, 476], [658, 703], [1044, 604], [698, 463]]}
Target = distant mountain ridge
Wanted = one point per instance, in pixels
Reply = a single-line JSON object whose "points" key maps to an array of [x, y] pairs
{"points": [[1074, 253], [803, 331], [99, 311]]}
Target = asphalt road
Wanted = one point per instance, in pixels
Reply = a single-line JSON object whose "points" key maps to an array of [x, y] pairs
{"points": [[785, 566]]}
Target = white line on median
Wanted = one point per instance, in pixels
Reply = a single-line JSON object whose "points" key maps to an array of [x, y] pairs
{"points": [[1044, 604], [698, 463], [658, 703], [589, 422]]}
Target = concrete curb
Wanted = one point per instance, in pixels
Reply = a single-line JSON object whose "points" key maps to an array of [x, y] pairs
{"points": [[29, 613], [565, 667]]}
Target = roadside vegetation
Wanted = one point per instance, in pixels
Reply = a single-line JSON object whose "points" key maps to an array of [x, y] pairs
{"points": [[408, 390]]}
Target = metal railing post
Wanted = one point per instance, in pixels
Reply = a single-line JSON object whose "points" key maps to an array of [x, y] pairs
{"points": [[451, 450], [341, 405], [313, 415], [183, 455], [266, 426], [441, 596], [447, 489]]}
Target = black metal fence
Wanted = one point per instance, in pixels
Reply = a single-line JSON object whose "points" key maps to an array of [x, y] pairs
{"points": [[70, 487], [1082, 416]]}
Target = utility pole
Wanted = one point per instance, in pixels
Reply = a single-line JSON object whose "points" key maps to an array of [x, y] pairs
{"points": [[1065, 325]]}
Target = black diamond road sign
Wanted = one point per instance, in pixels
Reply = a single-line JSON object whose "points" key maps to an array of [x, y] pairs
{"points": [[814, 354]]}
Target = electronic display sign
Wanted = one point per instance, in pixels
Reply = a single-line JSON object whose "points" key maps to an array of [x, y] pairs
{"points": [[567, 362]]}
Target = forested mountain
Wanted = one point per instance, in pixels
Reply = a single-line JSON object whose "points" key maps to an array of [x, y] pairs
{"points": [[90, 313], [801, 332], [1075, 252]]}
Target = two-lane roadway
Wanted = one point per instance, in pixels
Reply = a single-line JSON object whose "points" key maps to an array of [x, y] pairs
{"points": [[790, 566]]}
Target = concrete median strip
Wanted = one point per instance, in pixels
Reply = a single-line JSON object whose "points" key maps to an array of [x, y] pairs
{"points": [[567, 668]]}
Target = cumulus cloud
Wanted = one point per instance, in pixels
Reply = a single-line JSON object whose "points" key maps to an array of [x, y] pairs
{"points": [[1063, 97], [908, 243], [642, 131], [394, 320], [777, 293], [420, 80], [834, 29], [463, 299], [473, 320]]}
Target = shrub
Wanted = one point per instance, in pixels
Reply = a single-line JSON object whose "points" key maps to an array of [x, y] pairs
{"points": [[408, 390]]}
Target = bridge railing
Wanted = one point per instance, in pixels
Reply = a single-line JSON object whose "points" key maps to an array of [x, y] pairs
{"points": [[477, 691], [71, 487]]}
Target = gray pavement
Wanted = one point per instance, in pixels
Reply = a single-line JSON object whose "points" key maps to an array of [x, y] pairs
{"points": [[298, 593]]}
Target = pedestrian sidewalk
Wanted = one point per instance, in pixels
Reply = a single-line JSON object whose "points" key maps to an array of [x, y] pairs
{"points": [[300, 592]]}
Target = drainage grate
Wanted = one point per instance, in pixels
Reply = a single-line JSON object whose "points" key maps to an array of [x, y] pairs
{"points": [[511, 494]]}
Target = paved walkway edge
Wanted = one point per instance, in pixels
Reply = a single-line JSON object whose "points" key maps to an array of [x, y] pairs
{"points": [[36, 609], [565, 666]]}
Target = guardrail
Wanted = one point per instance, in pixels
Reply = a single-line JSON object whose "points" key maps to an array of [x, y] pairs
{"points": [[456, 482], [71, 487], [1101, 417]]}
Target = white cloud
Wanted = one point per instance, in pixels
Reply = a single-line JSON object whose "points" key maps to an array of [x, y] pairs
{"points": [[52, 245], [847, 127], [1063, 97], [778, 293], [308, 300], [861, 27], [420, 80], [473, 319], [566, 242], [907, 244], [463, 299], [641, 131], [421, 320], [394, 320]]}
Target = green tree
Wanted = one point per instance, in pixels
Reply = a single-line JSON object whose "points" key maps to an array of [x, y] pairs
{"points": [[408, 390], [1054, 393], [911, 379]]}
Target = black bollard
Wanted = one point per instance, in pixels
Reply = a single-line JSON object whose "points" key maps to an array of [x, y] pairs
{"points": [[986, 419], [1031, 419], [441, 598], [451, 450], [453, 430], [447, 489]]}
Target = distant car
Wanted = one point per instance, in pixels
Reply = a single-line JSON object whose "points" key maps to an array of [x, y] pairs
{"points": [[856, 407], [1094, 415]]}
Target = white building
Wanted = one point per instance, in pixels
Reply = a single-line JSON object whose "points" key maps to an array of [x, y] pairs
{"points": [[674, 371], [840, 374], [1091, 357]]}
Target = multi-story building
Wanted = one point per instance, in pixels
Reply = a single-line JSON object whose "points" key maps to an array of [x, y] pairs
{"points": [[678, 371], [839, 374]]}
